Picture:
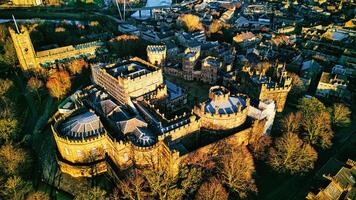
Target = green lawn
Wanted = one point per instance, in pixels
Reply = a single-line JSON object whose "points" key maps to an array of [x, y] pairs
{"points": [[194, 89]]}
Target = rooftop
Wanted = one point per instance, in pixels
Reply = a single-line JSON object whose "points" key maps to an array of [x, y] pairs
{"points": [[131, 69], [82, 126]]}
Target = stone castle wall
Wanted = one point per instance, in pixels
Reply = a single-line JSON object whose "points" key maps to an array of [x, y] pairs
{"points": [[278, 94]]}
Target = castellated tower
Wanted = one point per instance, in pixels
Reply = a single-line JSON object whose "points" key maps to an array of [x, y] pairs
{"points": [[277, 91], [223, 111], [24, 49], [156, 54]]}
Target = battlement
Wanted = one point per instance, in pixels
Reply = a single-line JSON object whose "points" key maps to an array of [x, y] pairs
{"points": [[81, 140], [156, 49]]}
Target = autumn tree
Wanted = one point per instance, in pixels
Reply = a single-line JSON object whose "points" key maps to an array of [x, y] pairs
{"points": [[260, 147], [15, 188], [76, 66], [190, 178], [9, 127], [59, 84], [94, 193], [13, 160], [133, 187], [34, 85], [215, 26], [291, 155], [315, 122], [38, 196], [162, 184], [237, 169], [298, 87], [340, 115], [191, 22], [5, 87], [212, 190], [292, 122]]}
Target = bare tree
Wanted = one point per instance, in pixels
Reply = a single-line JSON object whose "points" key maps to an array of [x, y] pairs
{"points": [[212, 190], [237, 169], [260, 147], [341, 115], [291, 123], [291, 155], [318, 130], [133, 187]]}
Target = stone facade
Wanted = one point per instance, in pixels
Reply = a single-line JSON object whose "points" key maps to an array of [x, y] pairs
{"points": [[120, 125], [27, 3], [29, 59], [156, 54], [123, 87], [277, 92]]}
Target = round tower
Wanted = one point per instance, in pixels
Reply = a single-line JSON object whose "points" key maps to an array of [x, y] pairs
{"points": [[223, 111]]}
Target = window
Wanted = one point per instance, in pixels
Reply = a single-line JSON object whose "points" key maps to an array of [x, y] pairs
{"points": [[126, 157], [94, 151]]}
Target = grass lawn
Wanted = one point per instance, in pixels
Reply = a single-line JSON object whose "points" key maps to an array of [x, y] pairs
{"points": [[196, 90]]}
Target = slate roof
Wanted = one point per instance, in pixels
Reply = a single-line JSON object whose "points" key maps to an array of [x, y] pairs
{"points": [[82, 126]]}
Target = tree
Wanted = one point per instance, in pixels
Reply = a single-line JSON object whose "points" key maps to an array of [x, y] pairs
{"points": [[34, 85], [133, 187], [318, 130], [13, 160], [259, 147], [162, 185], [5, 86], [298, 87], [237, 169], [190, 22], [76, 66], [341, 115], [15, 188], [38, 196], [309, 107], [94, 193], [291, 155], [291, 123], [9, 56], [212, 190], [58, 84], [191, 177], [316, 122], [9, 127], [215, 26]]}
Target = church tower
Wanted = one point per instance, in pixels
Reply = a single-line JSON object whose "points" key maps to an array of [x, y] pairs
{"points": [[24, 49]]}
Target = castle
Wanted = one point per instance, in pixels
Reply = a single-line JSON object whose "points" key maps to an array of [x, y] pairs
{"points": [[120, 122], [29, 59], [277, 91]]}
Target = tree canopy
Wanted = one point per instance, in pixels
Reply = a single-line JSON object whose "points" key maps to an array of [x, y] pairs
{"points": [[191, 22], [341, 115], [59, 84], [291, 155]]}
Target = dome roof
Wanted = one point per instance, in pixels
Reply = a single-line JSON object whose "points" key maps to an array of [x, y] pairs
{"points": [[82, 126], [222, 103]]}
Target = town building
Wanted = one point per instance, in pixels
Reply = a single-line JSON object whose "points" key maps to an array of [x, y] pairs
{"points": [[333, 85], [341, 186]]}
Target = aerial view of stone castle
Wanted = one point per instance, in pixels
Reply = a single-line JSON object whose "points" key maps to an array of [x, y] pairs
{"points": [[154, 99]]}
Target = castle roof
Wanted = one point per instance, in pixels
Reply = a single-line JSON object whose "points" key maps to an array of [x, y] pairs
{"points": [[225, 107], [82, 126]]}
